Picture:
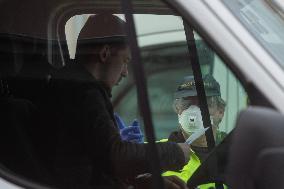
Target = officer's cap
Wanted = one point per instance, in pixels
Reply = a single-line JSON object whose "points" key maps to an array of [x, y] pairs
{"points": [[187, 87]]}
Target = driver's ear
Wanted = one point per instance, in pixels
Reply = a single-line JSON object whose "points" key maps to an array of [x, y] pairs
{"points": [[104, 53]]}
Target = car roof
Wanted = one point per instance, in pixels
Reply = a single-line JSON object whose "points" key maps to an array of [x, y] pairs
{"points": [[35, 17]]}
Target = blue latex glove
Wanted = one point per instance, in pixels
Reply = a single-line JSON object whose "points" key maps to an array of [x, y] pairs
{"points": [[131, 133]]}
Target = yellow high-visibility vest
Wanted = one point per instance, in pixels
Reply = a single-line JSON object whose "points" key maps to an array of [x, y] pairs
{"points": [[188, 170]]}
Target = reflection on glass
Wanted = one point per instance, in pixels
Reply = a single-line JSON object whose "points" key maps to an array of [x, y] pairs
{"points": [[263, 22]]}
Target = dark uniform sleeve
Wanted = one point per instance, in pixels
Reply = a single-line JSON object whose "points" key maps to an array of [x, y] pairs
{"points": [[177, 137], [124, 159]]}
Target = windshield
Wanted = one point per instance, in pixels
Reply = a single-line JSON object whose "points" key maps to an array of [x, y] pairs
{"points": [[263, 22]]}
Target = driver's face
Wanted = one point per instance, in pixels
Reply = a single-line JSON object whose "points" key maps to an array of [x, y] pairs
{"points": [[118, 66]]}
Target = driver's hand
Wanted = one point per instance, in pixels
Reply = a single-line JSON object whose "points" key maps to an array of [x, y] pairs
{"points": [[173, 182], [186, 151]]}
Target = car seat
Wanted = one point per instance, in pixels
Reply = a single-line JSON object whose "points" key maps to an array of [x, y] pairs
{"points": [[17, 118], [256, 159]]}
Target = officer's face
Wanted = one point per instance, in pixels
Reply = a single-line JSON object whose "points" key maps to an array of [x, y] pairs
{"points": [[193, 100], [118, 66]]}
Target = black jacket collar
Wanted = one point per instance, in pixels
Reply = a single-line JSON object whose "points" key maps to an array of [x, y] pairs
{"points": [[79, 73]]}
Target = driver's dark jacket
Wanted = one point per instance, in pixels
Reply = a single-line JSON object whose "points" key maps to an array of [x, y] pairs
{"points": [[83, 148]]}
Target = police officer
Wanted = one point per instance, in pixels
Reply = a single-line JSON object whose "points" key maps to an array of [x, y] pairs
{"points": [[186, 101], [186, 105]]}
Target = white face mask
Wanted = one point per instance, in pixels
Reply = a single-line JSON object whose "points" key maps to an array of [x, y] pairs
{"points": [[191, 119]]}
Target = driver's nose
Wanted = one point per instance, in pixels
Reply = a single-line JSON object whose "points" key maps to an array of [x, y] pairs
{"points": [[124, 72]]}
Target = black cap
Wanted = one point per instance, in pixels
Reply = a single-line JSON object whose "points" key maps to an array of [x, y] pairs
{"points": [[103, 28], [187, 87]]}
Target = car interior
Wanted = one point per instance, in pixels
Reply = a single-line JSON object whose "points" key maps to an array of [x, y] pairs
{"points": [[33, 47]]}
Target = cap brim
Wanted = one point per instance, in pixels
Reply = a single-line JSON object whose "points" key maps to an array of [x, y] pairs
{"points": [[183, 94], [101, 40]]}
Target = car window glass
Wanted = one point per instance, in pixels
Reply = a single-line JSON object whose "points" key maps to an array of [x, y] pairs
{"points": [[164, 53], [72, 29], [166, 60], [171, 59], [224, 93], [232, 93], [263, 22]]}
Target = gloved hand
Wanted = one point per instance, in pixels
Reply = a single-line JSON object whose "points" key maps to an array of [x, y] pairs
{"points": [[131, 133]]}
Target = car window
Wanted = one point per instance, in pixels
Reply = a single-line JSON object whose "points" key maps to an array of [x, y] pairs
{"points": [[166, 64], [165, 56], [232, 93], [164, 53], [160, 62]]}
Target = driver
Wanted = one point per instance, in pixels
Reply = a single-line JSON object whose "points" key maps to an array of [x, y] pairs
{"points": [[86, 149]]}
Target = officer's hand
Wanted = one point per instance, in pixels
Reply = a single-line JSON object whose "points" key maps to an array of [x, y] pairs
{"points": [[131, 133], [173, 182], [186, 151]]}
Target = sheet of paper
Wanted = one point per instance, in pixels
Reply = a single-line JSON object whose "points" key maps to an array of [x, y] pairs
{"points": [[196, 135]]}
